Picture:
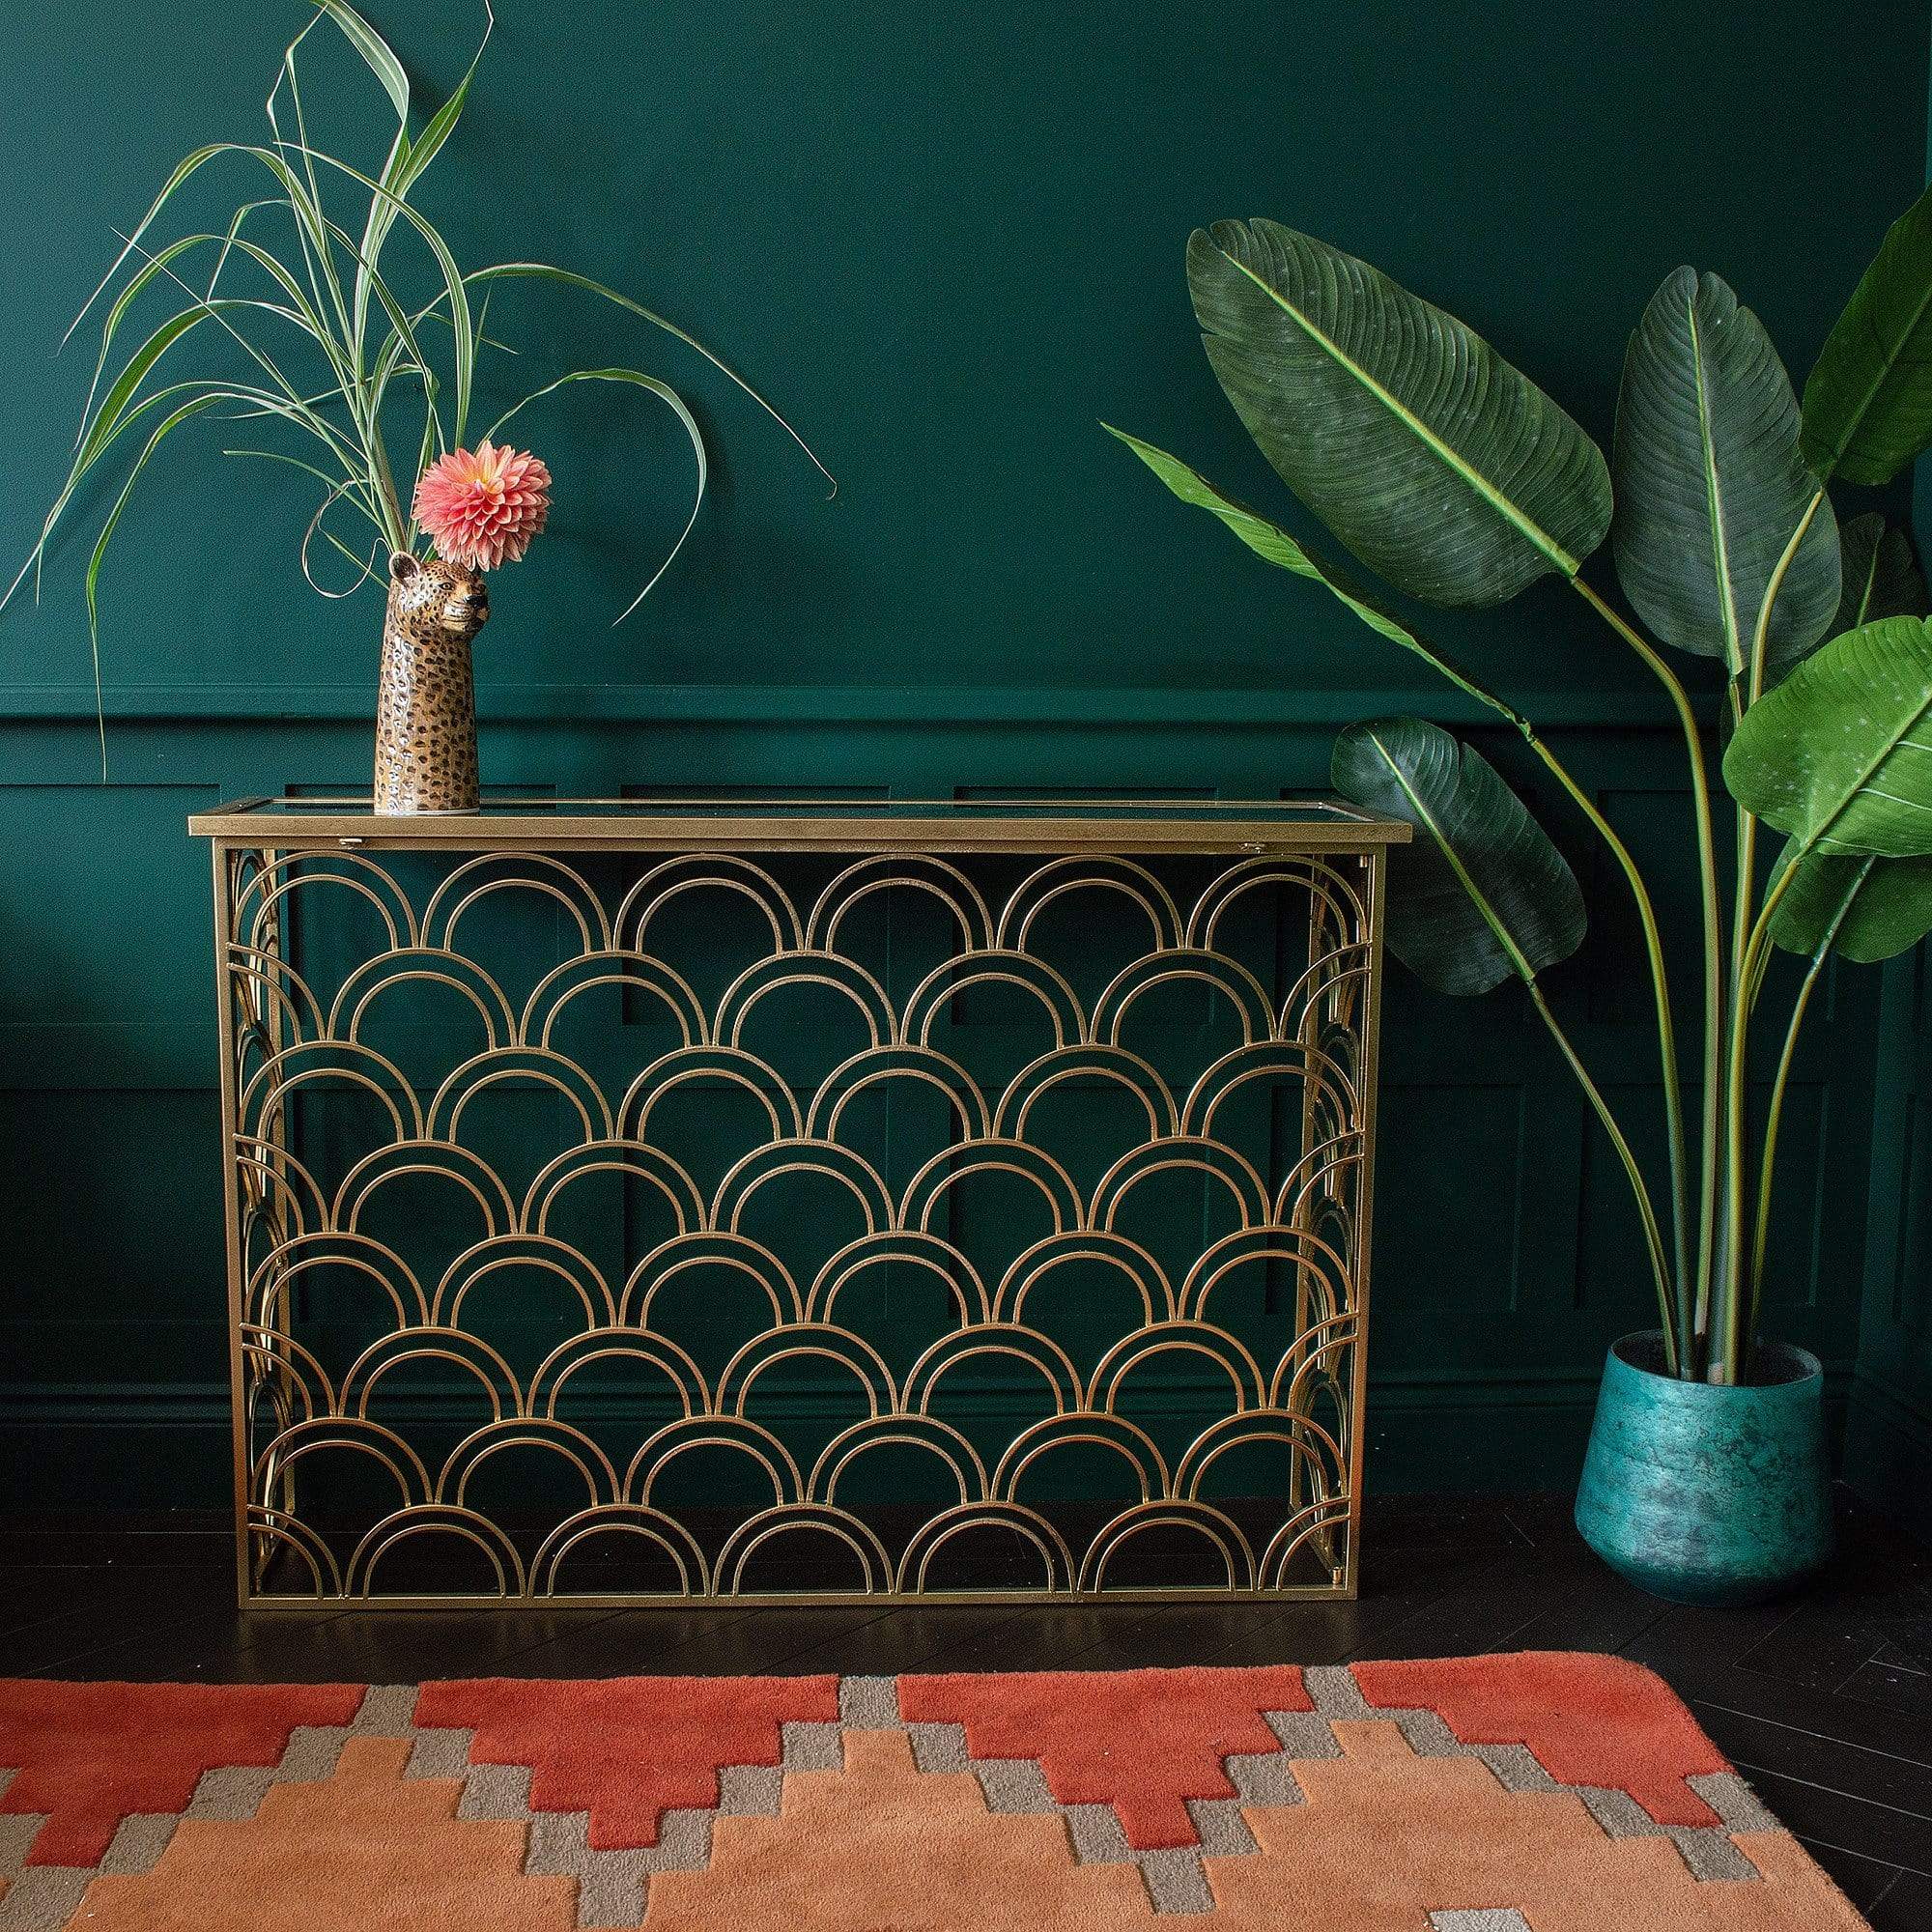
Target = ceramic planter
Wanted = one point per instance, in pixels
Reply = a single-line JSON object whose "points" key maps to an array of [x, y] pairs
{"points": [[1706, 1495]]}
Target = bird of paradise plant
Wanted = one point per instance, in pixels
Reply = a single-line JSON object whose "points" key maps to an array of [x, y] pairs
{"points": [[327, 357], [1460, 481]]}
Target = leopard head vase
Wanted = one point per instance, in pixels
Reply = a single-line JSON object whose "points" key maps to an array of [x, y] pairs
{"points": [[426, 701]]}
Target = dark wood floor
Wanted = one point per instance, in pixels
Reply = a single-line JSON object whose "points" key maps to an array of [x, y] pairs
{"points": [[1824, 1701]]}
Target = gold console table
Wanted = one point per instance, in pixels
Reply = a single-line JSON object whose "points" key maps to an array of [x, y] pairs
{"points": [[654, 1199]]}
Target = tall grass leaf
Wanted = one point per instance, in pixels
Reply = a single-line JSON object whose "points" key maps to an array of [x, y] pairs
{"points": [[124, 300], [220, 311], [570, 279], [133, 373], [453, 287], [365, 567], [241, 214], [307, 210], [672, 401], [402, 338], [231, 242], [315, 524], [182, 170], [357, 492], [407, 164], [162, 429], [374, 49]]}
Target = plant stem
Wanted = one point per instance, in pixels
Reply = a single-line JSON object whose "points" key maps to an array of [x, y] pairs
{"points": [[1653, 1237], [1753, 674], [1762, 1232], [1714, 990], [1728, 1367], [385, 490], [1781, 1080], [1761, 634], [1667, 1032], [1744, 999], [1741, 1273]]}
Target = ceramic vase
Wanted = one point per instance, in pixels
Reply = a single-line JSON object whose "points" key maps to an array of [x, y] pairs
{"points": [[426, 697]]}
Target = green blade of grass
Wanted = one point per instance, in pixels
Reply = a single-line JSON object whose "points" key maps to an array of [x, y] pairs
{"points": [[163, 430], [676, 405], [501, 269]]}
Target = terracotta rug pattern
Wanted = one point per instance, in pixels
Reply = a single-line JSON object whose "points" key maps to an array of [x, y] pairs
{"points": [[1543, 1792]]}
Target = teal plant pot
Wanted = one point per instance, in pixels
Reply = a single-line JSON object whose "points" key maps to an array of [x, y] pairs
{"points": [[1706, 1495]]}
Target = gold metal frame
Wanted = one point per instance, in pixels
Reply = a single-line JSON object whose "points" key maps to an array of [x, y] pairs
{"points": [[1312, 1216]]}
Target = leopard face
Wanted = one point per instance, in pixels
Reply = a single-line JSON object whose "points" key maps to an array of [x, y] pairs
{"points": [[431, 598]]}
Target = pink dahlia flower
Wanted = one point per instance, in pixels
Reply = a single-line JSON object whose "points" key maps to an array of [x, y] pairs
{"points": [[483, 506]]}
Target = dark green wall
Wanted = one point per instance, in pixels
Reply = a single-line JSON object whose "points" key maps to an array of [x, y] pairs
{"points": [[946, 240], [1889, 1442], [1888, 1437]]}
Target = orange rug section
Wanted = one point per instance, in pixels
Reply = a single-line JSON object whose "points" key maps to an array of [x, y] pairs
{"points": [[622, 1759], [1533, 1793], [1144, 1742], [89, 1754], [1611, 1725]]}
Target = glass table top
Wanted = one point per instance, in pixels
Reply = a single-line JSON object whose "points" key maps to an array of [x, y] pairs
{"points": [[1036, 822]]}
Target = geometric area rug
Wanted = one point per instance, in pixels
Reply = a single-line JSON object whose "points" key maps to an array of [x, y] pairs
{"points": [[1541, 1792]]}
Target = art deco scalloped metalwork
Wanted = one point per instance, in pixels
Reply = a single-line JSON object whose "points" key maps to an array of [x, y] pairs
{"points": [[879, 1207]]}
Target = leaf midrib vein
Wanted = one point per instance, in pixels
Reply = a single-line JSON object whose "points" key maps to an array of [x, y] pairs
{"points": [[1891, 357], [1713, 497], [1449, 852], [1481, 484]]}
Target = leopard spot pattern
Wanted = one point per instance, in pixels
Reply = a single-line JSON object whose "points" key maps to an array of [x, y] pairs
{"points": [[426, 701]]}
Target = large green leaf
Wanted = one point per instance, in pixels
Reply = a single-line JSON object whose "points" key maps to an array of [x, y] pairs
{"points": [[1483, 893], [1881, 575], [1427, 455], [1879, 578], [1868, 402], [1272, 542], [1839, 756], [1866, 909], [1710, 484]]}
